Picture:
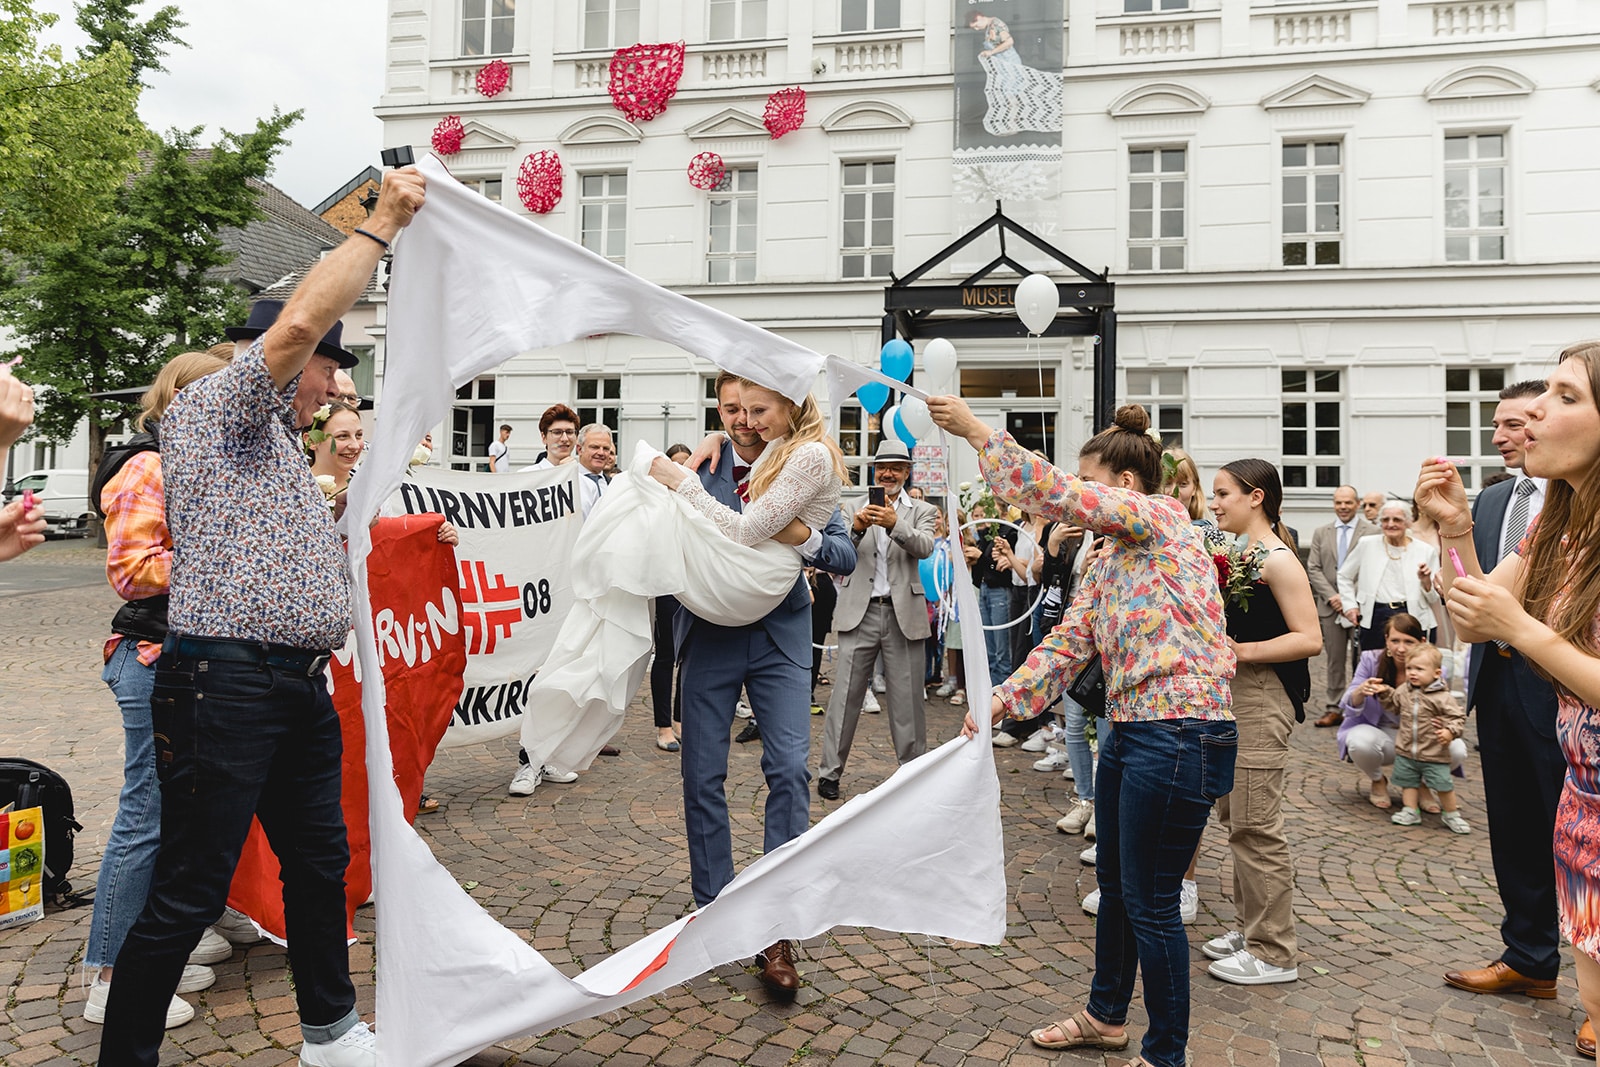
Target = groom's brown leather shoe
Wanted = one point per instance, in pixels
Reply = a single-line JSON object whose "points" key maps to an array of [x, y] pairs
{"points": [[777, 970], [1498, 978]]}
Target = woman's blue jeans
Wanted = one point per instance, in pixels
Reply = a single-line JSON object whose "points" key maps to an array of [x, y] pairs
{"points": [[1079, 754], [994, 608], [136, 832], [1157, 782]]}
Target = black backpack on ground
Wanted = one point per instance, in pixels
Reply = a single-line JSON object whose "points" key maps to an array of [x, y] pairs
{"points": [[27, 784]]}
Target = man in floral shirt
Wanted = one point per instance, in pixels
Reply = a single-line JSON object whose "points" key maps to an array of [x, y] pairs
{"points": [[243, 721]]}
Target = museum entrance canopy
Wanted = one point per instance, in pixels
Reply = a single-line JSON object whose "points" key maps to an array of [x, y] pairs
{"points": [[982, 305]]}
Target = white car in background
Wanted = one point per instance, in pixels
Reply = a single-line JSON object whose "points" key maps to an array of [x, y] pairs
{"points": [[64, 494]]}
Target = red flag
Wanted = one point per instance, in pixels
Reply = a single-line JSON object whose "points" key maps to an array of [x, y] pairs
{"points": [[416, 599]]}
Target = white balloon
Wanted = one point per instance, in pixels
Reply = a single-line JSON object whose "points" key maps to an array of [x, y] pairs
{"points": [[914, 414], [939, 358], [886, 422], [1037, 302]]}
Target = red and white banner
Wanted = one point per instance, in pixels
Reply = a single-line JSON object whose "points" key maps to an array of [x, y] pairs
{"points": [[517, 535], [422, 645]]}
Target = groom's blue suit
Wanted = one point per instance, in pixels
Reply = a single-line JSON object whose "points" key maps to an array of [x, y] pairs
{"points": [[771, 659]]}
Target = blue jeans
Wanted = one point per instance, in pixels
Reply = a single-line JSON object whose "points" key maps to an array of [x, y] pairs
{"points": [[131, 848], [1157, 782], [236, 740], [1079, 754], [994, 609], [716, 662]]}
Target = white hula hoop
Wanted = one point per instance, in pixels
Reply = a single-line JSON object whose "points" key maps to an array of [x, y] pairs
{"points": [[1026, 615]]}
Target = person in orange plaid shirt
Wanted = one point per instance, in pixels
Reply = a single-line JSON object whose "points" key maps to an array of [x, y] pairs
{"points": [[138, 566]]}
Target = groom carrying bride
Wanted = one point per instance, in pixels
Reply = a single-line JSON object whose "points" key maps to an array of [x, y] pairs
{"points": [[771, 658]]}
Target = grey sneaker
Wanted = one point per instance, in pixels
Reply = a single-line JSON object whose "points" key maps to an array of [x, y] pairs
{"points": [[1454, 822], [525, 781], [1188, 902], [1243, 968], [1220, 948]]}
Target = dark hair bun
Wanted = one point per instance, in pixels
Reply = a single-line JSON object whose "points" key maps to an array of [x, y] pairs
{"points": [[1133, 418]]}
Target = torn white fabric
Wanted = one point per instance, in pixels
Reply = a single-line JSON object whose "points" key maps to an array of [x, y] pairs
{"points": [[922, 853]]}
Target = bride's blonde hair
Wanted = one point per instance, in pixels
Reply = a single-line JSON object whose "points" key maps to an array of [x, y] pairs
{"points": [[805, 426]]}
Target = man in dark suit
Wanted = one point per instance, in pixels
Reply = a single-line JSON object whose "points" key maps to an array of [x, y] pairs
{"points": [[1523, 767], [1329, 546], [771, 659]]}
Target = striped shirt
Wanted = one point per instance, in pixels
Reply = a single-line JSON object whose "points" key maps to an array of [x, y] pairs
{"points": [[255, 554]]}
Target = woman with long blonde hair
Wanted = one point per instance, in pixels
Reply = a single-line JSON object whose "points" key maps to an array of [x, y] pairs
{"points": [[796, 482]]}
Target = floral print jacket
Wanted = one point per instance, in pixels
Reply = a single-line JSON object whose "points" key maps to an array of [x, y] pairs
{"points": [[1151, 607]]}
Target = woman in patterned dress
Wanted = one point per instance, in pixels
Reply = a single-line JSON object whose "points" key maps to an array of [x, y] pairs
{"points": [[1151, 611], [1544, 601]]}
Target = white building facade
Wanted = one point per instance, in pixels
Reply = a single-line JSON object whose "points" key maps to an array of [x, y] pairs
{"points": [[1335, 229]]}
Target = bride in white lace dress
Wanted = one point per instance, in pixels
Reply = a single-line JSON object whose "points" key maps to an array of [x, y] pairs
{"points": [[793, 487]]}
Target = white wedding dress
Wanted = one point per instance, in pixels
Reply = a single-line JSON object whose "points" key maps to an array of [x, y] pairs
{"points": [[642, 541]]}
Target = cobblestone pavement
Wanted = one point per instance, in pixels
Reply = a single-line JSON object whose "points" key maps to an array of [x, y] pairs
{"points": [[578, 869]]}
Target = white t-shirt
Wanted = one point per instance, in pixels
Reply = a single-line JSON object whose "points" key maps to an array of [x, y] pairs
{"points": [[497, 457]]}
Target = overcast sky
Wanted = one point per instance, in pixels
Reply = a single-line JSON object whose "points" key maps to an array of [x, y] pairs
{"points": [[246, 57]]}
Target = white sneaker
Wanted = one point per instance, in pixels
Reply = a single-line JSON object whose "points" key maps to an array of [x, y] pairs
{"points": [[1220, 948], [237, 928], [1242, 968], [1039, 742], [879, 685], [1188, 902], [742, 710], [1455, 823], [196, 978], [356, 1047], [1088, 829], [1089, 855], [1001, 739], [869, 704], [179, 1011], [551, 774], [1091, 903], [525, 781], [213, 948], [947, 687], [1056, 760], [1077, 817]]}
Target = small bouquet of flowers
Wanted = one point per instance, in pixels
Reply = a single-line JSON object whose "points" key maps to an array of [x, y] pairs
{"points": [[1238, 566]]}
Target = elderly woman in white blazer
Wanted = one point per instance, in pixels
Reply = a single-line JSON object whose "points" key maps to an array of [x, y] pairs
{"points": [[1387, 573]]}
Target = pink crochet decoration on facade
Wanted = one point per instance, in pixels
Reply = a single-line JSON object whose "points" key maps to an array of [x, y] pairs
{"points": [[447, 135], [493, 78], [539, 181], [706, 171], [643, 77], [786, 111]]}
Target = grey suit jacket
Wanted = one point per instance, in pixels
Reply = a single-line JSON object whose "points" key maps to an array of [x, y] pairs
{"points": [[1322, 565], [911, 540]]}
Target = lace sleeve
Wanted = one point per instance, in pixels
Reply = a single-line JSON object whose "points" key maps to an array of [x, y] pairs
{"points": [[803, 477]]}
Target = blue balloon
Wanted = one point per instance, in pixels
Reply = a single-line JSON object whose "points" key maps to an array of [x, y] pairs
{"points": [[904, 434], [896, 360], [873, 395]]}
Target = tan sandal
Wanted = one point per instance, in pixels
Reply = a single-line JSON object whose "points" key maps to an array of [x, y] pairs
{"points": [[1378, 795], [1088, 1035], [1429, 802]]}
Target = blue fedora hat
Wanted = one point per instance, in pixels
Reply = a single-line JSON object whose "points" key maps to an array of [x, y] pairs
{"points": [[263, 313]]}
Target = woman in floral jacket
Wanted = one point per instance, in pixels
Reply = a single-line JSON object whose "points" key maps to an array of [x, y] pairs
{"points": [[1151, 610]]}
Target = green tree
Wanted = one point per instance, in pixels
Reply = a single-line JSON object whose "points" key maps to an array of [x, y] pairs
{"points": [[111, 22], [69, 134], [103, 312]]}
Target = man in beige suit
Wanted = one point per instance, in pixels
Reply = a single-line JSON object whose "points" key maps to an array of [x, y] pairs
{"points": [[1329, 546], [881, 609]]}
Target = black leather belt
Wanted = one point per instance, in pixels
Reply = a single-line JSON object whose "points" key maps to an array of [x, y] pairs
{"points": [[1393, 605], [883, 599], [306, 661]]}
